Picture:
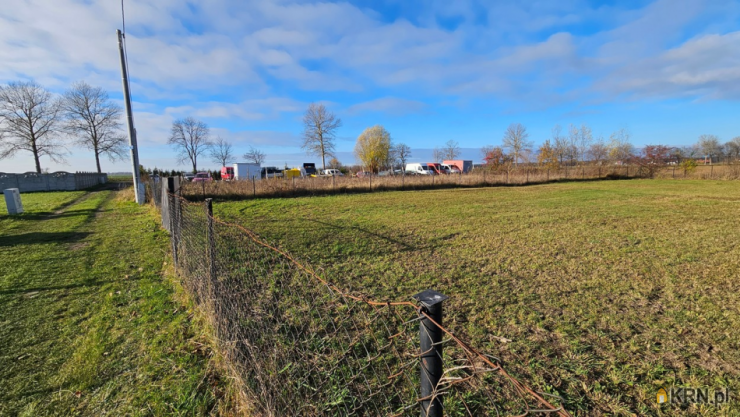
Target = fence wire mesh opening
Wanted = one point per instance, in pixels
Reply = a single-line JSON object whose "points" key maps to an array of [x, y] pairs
{"points": [[299, 345]]}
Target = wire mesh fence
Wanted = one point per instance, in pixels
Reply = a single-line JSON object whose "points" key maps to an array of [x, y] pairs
{"points": [[299, 345], [522, 175]]}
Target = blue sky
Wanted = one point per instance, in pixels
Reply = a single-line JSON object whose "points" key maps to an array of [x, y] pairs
{"points": [[429, 71]]}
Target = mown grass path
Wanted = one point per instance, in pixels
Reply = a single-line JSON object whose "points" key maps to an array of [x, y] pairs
{"points": [[89, 322], [606, 291]]}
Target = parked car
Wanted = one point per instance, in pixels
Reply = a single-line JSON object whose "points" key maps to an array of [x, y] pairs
{"points": [[189, 176], [462, 165], [450, 169], [333, 172], [363, 174], [202, 177]]}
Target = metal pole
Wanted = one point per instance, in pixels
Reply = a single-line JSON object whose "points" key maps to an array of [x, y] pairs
{"points": [[129, 120], [430, 338], [211, 239], [172, 213]]}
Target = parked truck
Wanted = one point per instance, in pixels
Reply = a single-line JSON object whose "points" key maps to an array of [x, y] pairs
{"points": [[227, 173], [309, 169], [437, 168], [246, 171], [461, 165]]}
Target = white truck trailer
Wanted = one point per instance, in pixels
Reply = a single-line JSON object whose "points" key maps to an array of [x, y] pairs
{"points": [[246, 171]]}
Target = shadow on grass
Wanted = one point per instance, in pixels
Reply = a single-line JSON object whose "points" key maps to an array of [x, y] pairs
{"points": [[404, 245], [35, 238]]}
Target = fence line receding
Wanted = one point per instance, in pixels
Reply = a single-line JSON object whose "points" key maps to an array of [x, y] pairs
{"points": [[299, 345]]}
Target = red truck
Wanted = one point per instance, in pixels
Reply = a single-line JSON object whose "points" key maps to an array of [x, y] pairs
{"points": [[227, 173]]}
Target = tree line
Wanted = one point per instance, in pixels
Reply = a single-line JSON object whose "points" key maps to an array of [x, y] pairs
{"points": [[578, 145], [33, 120]]}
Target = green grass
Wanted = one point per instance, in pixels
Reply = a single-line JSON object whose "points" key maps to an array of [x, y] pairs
{"points": [[43, 203], [607, 290], [90, 322]]}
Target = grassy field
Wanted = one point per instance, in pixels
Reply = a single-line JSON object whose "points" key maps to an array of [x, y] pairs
{"points": [[91, 323], [601, 292]]}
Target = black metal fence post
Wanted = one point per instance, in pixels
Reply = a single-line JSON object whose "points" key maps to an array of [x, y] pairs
{"points": [[211, 239], [172, 208], [430, 337]]}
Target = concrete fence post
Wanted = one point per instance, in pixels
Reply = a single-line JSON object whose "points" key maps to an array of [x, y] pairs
{"points": [[430, 339]]}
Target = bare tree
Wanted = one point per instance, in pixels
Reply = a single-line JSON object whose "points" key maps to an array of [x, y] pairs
{"points": [[620, 148], [573, 135], [561, 145], [221, 151], [255, 155], [29, 115], [334, 163], [598, 151], [401, 153], [710, 146], [190, 138], [437, 155], [515, 140], [733, 148], [94, 121], [585, 138], [319, 131], [451, 150]]}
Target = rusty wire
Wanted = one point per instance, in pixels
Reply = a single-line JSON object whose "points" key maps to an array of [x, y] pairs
{"points": [[300, 345]]}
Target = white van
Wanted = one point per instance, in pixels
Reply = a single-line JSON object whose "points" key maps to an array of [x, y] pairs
{"points": [[333, 172], [419, 169]]}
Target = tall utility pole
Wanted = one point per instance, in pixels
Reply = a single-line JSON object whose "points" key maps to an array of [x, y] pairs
{"points": [[138, 187]]}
